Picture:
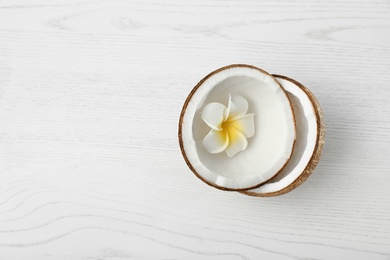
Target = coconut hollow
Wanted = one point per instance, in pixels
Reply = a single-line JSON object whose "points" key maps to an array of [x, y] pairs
{"points": [[267, 152], [275, 186]]}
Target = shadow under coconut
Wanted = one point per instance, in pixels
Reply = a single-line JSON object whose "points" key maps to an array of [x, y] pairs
{"points": [[326, 177], [305, 208]]}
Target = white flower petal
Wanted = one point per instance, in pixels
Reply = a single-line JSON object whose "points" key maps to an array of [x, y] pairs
{"points": [[246, 125], [213, 115], [237, 107], [237, 142], [216, 141]]}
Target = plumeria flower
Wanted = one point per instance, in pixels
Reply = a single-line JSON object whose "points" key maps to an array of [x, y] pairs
{"points": [[230, 126]]}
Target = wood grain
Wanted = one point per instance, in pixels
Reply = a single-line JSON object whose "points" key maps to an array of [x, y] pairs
{"points": [[90, 96]]}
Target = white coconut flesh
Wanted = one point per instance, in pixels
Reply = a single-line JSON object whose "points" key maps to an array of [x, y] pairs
{"points": [[306, 139], [266, 152]]}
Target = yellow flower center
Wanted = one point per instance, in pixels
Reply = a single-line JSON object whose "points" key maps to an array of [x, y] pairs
{"points": [[231, 128]]}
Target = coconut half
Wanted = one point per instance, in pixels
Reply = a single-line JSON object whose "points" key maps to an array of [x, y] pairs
{"points": [[267, 149], [309, 142]]}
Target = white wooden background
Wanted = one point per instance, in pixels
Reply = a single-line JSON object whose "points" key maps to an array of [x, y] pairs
{"points": [[90, 96]]}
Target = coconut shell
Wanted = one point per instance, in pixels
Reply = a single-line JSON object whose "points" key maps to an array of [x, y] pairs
{"points": [[315, 158], [181, 121]]}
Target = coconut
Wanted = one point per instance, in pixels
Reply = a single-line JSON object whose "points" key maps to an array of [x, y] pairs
{"points": [[237, 128], [309, 142]]}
